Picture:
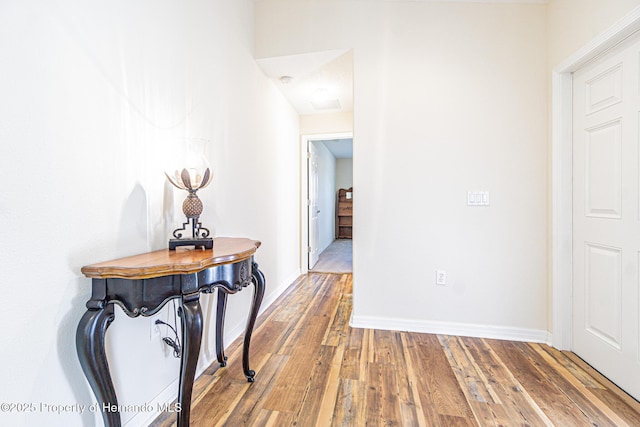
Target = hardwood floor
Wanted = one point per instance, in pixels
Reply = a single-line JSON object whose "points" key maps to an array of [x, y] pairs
{"points": [[314, 370]]}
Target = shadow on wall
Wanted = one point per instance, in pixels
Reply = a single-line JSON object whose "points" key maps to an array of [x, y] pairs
{"points": [[131, 238], [67, 352], [134, 224]]}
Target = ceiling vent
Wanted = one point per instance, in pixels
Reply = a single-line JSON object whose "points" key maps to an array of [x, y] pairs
{"points": [[322, 100], [327, 104]]}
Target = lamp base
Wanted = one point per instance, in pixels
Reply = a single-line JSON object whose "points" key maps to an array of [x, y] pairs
{"points": [[199, 235], [204, 243]]}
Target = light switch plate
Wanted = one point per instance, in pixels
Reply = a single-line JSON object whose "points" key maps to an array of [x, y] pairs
{"points": [[478, 198]]}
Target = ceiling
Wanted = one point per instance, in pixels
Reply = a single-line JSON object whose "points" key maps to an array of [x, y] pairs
{"points": [[303, 78], [340, 148]]}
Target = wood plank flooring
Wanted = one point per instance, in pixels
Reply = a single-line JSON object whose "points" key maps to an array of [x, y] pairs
{"points": [[314, 370]]}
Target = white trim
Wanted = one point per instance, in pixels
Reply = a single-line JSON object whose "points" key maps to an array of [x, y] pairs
{"points": [[561, 187], [304, 191], [450, 328], [266, 303]]}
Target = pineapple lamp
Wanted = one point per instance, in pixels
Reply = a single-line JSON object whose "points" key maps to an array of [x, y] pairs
{"points": [[191, 180]]}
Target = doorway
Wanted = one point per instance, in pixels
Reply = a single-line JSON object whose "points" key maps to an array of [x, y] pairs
{"points": [[327, 164], [601, 256], [606, 216]]}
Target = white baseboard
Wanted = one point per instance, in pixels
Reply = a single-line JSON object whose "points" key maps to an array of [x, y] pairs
{"points": [[451, 328], [272, 296], [168, 395], [165, 397]]}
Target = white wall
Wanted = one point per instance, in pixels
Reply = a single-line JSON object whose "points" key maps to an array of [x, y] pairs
{"points": [[344, 173], [96, 97], [326, 196], [573, 23], [575, 28], [449, 97], [341, 122]]}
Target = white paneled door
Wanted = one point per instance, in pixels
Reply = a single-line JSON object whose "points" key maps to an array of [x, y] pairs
{"points": [[606, 215], [312, 204]]}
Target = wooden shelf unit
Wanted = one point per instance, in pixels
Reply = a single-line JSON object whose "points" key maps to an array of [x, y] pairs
{"points": [[344, 214]]}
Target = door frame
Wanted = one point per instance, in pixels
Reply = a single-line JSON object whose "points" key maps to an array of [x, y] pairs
{"points": [[561, 173], [305, 140]]}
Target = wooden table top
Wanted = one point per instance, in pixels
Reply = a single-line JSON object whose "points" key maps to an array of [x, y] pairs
{"points": [[180, 261]]}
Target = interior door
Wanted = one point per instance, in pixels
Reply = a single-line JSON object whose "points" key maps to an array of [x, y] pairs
{"points": [[606, 215], [312, 205]]}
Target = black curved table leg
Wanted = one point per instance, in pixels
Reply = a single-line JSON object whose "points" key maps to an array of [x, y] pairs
{"points": [[191, 314], [93, 359], [259, 284], [220, 314]]}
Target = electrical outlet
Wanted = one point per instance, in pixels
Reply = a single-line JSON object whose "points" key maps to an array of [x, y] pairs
{"points": [[441, 277], [154, 329]]}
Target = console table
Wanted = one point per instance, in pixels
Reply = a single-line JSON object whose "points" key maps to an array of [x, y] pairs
{"points": [[141, 285]]}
